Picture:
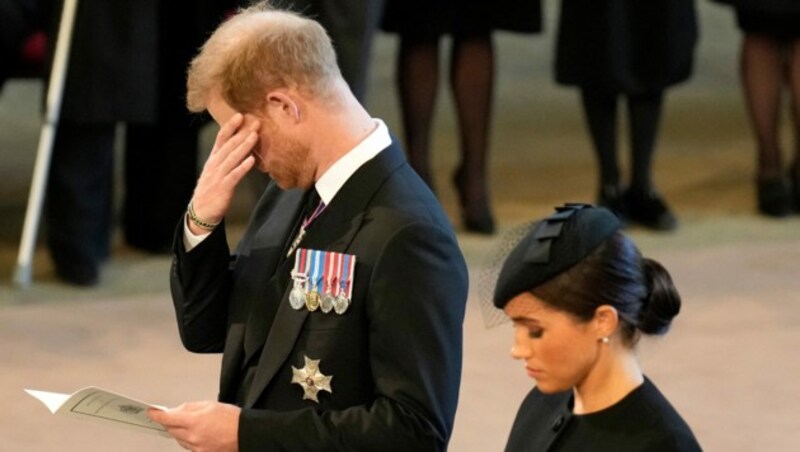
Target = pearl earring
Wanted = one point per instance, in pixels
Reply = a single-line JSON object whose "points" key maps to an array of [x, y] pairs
{"points": [[604, 340]]}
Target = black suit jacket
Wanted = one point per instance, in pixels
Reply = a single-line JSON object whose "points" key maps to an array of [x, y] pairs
{"points": [[395, 355]]}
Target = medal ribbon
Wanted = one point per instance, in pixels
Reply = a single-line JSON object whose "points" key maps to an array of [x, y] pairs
{"points": [[344, 283], [350, 277], [337, 274], [330, 258], [307, 222], [315, 269], [299, 263]]}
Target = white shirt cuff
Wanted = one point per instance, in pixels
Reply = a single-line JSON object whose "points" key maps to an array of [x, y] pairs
{"points": [[190, 240]]}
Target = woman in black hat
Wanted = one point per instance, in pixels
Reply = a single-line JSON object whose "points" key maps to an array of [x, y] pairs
{"points": [[580, 295]]}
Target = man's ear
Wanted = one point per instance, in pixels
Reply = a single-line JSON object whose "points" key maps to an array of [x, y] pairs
{"points": [[281, 103], [606, 320]]}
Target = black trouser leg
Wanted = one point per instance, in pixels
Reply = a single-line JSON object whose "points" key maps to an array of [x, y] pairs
{"points": [[645, 115], [79, 192], [600, 108]]}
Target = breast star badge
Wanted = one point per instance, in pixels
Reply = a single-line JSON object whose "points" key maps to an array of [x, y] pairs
{"points": [[311, 379]]}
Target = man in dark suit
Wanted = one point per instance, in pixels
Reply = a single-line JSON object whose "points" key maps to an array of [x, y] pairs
{"points": [[19, 23], [126, 65], [340, 312]]}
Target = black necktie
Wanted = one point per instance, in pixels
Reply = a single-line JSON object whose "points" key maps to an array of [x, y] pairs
{"points": [[312, 203]]}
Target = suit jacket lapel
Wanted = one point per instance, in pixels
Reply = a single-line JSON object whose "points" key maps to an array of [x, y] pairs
{"points": [[334, 230], [281, 210]]}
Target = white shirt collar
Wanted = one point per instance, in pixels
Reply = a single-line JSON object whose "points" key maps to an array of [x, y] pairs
{"points": [[334, 178]]}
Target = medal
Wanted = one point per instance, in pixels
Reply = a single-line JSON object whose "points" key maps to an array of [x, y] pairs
{"points": [[311, 379], [322, 280], [342, 301], [326, 303], [297, 240], [313, 301], [297, 296], [313, 298], [331, 258]]}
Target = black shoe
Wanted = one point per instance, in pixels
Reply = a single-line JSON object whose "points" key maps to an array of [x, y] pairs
{"points": [[648, 209], [477, 217], [611, 198], [76, 264], [794, 177], [774, 199], [83, 274], [480, 224]]}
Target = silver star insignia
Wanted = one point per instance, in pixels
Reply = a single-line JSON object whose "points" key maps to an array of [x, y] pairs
{"points": [[311, 379]]}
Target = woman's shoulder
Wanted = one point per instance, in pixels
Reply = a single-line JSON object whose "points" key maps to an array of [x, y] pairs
{"points": [[648, 407]]}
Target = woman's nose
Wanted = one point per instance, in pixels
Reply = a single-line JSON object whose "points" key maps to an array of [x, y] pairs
{"points": [[518, 349]]}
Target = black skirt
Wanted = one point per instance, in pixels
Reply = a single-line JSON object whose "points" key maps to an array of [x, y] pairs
{"points": [[779, 25], [769, 6], [627, 46], [434, 18]]}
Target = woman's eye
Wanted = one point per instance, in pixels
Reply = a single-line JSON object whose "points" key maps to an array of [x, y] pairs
{"points": [[535, 333]]}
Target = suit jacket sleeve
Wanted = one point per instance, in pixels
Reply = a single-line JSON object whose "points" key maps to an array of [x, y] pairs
{"points": [[416, 300], [200, 282]]}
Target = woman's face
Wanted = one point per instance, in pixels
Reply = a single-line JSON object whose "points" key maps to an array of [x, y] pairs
{"points": [[559, 350]]}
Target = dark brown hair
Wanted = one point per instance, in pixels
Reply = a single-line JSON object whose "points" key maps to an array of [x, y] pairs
{"points": [[616, 274]]}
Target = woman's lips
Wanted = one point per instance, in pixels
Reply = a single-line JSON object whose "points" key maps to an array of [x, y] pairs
{"points": [[533, 373]]}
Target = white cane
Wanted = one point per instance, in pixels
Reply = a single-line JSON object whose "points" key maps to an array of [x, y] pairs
{"points": [[55, 92]]}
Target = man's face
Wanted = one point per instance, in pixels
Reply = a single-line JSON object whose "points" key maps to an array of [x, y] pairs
{"points": [[278, 154]]}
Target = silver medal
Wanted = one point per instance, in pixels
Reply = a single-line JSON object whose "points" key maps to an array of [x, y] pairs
{"points": [[297, 296], [341, 303], [326, 305], [311, 379]]}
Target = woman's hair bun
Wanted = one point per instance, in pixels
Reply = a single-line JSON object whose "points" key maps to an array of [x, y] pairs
{"points": [[662, 302]]}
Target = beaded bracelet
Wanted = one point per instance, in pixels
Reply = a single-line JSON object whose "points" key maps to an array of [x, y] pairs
{"points": [[197, 221]]}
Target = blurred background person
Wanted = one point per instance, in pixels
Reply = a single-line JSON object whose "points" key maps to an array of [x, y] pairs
{"points": [[127, 64], [20, 19], [770, 62], [580, 295], [352, 25], [635, 50], [420, 26]]}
